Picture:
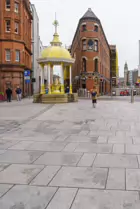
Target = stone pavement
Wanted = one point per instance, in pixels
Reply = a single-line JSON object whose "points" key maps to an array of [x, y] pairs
{"points": [[70, 156]]}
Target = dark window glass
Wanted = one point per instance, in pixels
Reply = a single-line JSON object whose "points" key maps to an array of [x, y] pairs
{"points": [[96, 28]]}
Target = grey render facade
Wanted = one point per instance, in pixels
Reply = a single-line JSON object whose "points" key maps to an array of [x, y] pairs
{"points": [[35, 49]]}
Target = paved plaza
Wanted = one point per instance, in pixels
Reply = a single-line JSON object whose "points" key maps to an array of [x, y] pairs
{"points": [[70, 156]]}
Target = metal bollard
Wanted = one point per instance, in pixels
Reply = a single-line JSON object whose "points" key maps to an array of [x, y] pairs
{"points": [[132, 96]]}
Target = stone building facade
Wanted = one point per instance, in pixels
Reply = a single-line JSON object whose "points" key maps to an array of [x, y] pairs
{"points": [[15, 44], [91, 51]]}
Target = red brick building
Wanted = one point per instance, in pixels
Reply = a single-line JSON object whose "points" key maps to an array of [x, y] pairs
{"points": [[91, 50], [15, 43]]}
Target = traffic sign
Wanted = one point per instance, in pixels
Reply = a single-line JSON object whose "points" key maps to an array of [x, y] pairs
{"points": [[27, 73], [27, 81], [27, 77]]}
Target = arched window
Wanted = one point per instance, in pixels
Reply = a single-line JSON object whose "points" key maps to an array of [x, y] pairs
{"points": [[84, 65], [90, 44], [96, 45], [84, 27], [96, 28], [96, 65]]}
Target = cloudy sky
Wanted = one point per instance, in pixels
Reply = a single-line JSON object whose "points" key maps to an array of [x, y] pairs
{"points": [[120, 20]]}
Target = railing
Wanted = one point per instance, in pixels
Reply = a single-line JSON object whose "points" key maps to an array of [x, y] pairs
{"points": [[84, 93]]}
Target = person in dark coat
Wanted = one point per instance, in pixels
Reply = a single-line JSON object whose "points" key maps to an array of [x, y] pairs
{"points": [[9, 94]]}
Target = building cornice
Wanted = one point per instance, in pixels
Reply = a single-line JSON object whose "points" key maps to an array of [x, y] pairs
{"points": [[10, 65], [16, 41], [54, 60]]}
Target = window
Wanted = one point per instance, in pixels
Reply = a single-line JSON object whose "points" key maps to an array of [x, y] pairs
{"points": [[16, 7], [96, 28], [8, 5], [8, 55], [96, 46], [17, 56], [8, 25], [90, 44], [84, 65], [84, 27], [84, 44], [96, 65], [16, 27]]}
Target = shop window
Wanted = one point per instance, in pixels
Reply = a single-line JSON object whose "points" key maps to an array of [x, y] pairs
{"points": [[8, 55], [8, 5], [84, 27], [84, 65], [17, 56], [96, 65], [84, 44], [96, 46], [16, 7], [16, 27], [90, 44], [96, 28], [8, 25]]}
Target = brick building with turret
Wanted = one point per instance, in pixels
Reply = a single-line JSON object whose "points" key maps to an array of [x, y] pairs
{"points": [[91, 50]]}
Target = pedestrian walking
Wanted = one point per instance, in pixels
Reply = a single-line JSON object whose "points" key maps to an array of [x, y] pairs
{"points": [[94, 96], [8, 94], [18, 92]]}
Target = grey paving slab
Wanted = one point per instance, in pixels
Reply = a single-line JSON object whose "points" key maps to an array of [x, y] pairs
{"points": [[4, 188], [45, 176], [48, 146], [63, 198], [75, 138], [83, 133], [61, 137], [27, 197], [101, 133], [58, 158], [108, 199], [133, 179], [81, 177], [132, 149], [14, 156], [3, 166], [136, 140], [116, 179], [19, 174], [102, 140], [118, 148], [94, 148], [22, 145], [120, 140], [4, 144], [87, 160], [121, 134], [116, 161], [2, 151], [70, 147]]}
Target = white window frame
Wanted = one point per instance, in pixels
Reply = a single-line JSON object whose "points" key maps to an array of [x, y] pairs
{"points": [[17, 27], [7, 55], [8, 27], [16, 7], [7, 6], [96, 45], [17, 56]]}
